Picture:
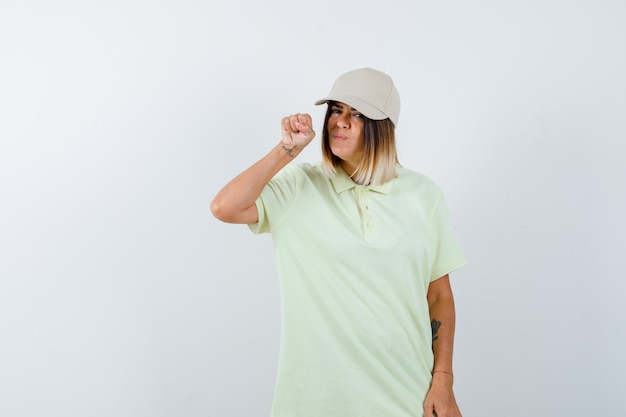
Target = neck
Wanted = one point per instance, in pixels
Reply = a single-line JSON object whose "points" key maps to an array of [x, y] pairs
{"points": [[349, 168]]}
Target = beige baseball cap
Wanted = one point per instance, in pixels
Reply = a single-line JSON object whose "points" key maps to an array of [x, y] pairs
{"points": [[369, 91]]}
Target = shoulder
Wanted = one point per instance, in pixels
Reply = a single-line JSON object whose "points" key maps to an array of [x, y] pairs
{"points": [[307, 171], [299, 170], [311, 169], [409, 180], [423, 192], [300, 175]]}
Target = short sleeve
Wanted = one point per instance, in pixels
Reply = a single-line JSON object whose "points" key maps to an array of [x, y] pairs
{"points": [[276, 198], [448, 255]]}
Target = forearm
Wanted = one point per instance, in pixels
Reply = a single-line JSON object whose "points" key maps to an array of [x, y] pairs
{"points": [[440, 401], [235, 202], [442, 316], [443, 322]]}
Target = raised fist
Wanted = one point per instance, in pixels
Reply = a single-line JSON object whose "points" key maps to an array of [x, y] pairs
{"points": [[297, 131]]}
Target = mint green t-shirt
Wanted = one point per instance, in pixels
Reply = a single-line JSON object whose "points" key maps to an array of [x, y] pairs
{"points": [[354, 265]]}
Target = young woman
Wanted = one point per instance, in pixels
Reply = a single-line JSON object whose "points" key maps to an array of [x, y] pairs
{"points": [[364, 249]]}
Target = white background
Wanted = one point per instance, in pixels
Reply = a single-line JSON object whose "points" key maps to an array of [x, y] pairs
{"points": [[120, 295]]}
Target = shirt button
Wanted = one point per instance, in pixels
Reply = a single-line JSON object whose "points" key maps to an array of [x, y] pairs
{"points": [[370, 224]]}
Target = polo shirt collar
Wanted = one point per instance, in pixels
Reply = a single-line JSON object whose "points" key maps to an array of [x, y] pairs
{"points": [[342, 182]]}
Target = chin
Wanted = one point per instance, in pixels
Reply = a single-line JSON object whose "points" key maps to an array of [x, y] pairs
{"points": [[338, 151], [339, 155]]}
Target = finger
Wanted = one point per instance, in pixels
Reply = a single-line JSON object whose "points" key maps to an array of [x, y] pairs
{"points": [[302, 128], [306, 120], [428, 410], [293, 120], [286, 131], [303, 119], [285, 124], [304, 125]]}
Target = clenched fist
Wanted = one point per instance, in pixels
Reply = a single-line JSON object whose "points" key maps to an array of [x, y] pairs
{"points": [[297, 131]]}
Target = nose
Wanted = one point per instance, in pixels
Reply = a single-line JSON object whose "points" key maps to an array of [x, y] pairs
{"points": [[343, 120]]}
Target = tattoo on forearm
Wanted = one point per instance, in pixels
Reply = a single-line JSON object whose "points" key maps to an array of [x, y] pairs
{"points": [[289, 150], [435, 325]]}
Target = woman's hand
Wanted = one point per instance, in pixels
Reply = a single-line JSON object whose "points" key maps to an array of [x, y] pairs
{"points": [[440, 401], [297, 131]]}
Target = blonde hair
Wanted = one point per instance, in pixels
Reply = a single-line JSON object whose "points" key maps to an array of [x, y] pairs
{"points": [[380, 157]]}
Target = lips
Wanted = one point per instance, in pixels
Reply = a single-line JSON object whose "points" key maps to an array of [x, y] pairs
{"points": [[339, 137]]}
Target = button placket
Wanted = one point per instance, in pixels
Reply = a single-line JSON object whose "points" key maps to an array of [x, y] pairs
{"points": [[367, 219]]}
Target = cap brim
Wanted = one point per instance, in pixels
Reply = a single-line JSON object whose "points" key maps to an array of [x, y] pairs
{"points": [[362, 106]]}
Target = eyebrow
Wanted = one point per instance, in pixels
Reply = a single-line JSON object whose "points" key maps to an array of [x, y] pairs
{"points": [[336, 104]]}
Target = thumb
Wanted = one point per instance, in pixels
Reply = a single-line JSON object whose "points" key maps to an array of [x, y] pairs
{"points": [[429, 409]]}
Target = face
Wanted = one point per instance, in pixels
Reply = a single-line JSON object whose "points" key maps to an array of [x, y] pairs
{"points": [[345, 131]]}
